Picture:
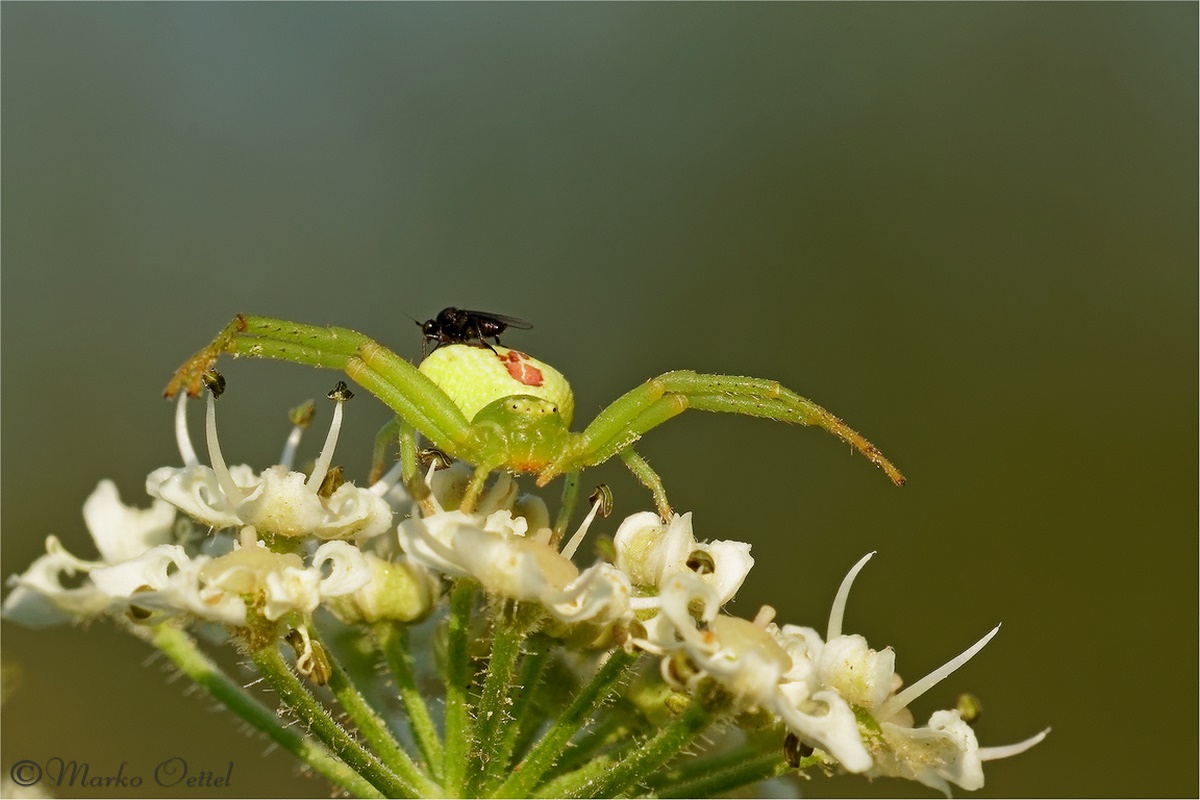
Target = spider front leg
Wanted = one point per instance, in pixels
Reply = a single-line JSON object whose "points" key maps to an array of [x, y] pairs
{"points": [[624, 421], [417, 401], [769, 399]]}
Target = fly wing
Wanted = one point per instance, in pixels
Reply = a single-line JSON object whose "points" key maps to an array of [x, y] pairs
{"points": [[512, 322]]}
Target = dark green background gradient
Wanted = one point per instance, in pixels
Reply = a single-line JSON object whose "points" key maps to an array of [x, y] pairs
{"points": [[969, 230]]}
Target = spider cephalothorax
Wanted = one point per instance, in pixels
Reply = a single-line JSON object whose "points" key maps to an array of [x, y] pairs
{"points": [[497, 408]]}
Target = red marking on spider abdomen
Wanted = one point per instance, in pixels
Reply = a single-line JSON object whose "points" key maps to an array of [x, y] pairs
{"points": [[517, 364]]}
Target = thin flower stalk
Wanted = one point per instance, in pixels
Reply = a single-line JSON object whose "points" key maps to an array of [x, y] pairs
{"points": [[393, 641], [271, 665], [492, 710], [456, 755], [182, 651], [630, 772], [548, 749], [374, 730], [523, 720], [714, 781]]}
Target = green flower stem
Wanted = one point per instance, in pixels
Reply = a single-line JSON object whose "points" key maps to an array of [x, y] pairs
{"points": [[293, 694], [492, 713], [703, 765], [393, 640], [531, 675], [550, 747], [751, 769], [180, 648], [644, 760], [372, 728], [458, 682], [612, 729], [589, 773]]}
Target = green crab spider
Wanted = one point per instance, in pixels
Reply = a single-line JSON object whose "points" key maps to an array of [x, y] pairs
{"points": [[497, 408]]}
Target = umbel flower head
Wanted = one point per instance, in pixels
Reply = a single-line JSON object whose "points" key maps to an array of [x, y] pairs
{"points": [[150, 563], [558, 678], [279, 500]]}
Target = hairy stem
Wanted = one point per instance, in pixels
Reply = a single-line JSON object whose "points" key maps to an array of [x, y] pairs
{"points": [[492, 713], [372, 728], [550, 747], [182, 650], [393, 641], [458, 682], [293, 694], [631, 770]]}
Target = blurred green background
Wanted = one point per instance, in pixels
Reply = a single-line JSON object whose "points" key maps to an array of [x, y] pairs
{"points": [[969, 230]]}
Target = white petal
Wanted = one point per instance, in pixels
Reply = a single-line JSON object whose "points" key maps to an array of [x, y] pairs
{"points": [[429, 541], [515, 567], [148, 571], [834, 729], [859, 674], [291, 590], [944, 752], [731, 563], [918, 688], [196, 492], [676, 598], [354, 512], [648, 551], [838, 611], [185, 592], [39, 599], [282, 504], [804, 645], [349, 568], [121, 532], [600, 594], [1010, 750]]}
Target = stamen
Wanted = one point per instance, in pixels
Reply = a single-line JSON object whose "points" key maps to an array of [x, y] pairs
{"points": [[301, 417], [304, 652], [910, 693], [326, 456], [577, 539], [645, 603], [389, 479], [289, 447], [764, 616], [248, 537], [230, 489], [838, 611], [430, 504], [182, 439], [1005, 751]]}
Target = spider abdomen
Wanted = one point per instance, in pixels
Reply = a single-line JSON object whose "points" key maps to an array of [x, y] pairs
{"points": [[473, 377]]}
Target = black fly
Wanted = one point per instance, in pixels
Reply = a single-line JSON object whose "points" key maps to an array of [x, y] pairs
{"points": [[459, 326]]}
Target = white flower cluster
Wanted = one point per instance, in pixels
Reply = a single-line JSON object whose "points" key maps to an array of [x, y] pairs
{"points": [[834, 693], [663, 592], [152, 565]]}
